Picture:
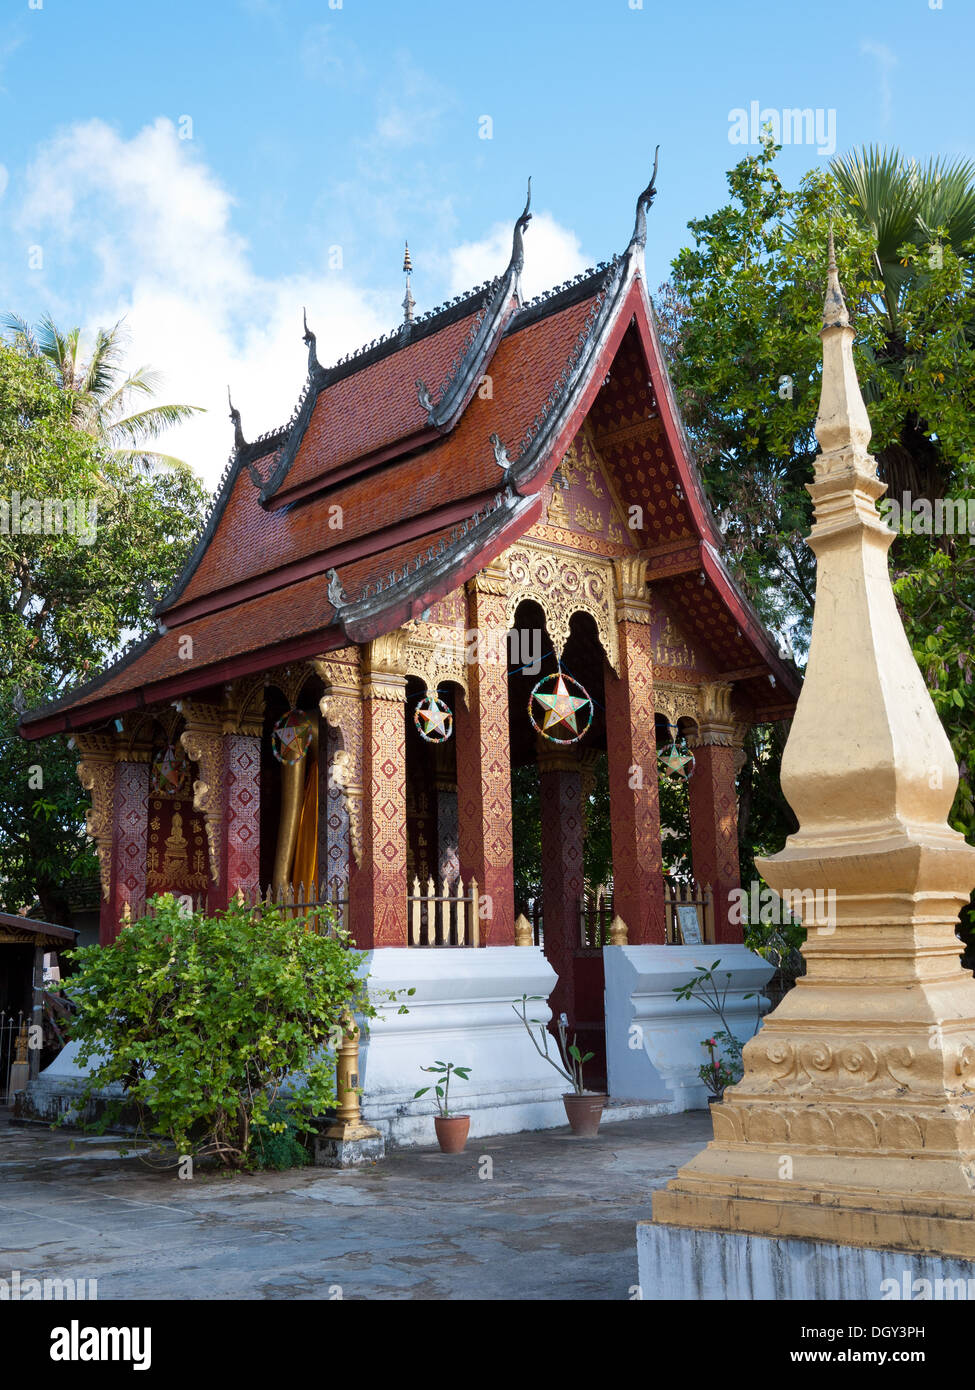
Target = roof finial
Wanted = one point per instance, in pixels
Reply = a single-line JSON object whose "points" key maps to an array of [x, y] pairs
{"points": [[517, 261], [409, 303], [310, 342], [643, 205], [842, 423], [835, 314], [239, 441]]}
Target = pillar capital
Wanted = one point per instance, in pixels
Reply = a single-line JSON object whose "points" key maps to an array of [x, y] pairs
{"points": [[384, 667], [632, 595], [717, 725], [244, 711], [552, 758], [492, 579]]}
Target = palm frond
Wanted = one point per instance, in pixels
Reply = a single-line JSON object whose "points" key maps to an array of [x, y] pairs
{"points": [[148, 458], [147, 424], [20, 328]]}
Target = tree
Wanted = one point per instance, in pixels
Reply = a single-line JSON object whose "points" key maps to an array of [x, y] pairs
{"points": [[741, 321], [101, 390], [84, 532]]}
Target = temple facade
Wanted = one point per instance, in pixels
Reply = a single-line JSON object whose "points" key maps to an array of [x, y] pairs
{"points": [[480, 543]]}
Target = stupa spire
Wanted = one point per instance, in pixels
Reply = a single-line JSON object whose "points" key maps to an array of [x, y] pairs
{"points": [[842, 423]]}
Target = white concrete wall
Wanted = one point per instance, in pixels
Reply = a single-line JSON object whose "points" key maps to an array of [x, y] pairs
{"points": [[653, 1039], [686, 1263], [461, 1012]]}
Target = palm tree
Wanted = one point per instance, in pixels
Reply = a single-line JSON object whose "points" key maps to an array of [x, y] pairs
{"points": [[102, 393], [899, 203]]}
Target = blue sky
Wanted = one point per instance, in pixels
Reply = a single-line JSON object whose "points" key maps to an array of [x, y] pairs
{"points": [[320, 137]]}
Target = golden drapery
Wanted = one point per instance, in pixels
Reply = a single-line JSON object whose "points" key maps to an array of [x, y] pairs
{"points": [[296, 855], [304, 873]]}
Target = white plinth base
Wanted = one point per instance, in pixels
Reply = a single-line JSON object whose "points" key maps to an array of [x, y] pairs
{"points": [[685, 1263], [56, 1090], [653, 1039], [460, 1012]]}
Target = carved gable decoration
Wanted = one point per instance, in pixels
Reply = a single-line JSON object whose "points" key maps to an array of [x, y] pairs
{"points": [[563, 583]]}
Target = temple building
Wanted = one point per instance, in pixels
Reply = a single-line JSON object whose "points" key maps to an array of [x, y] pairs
{"points": [[480, 543]]}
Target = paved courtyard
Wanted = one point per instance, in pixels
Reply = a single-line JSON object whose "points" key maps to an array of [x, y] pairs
{"points": [[554, 1220]]}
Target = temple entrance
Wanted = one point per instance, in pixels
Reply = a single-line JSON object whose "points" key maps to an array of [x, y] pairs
{"points": [[560, 857]]}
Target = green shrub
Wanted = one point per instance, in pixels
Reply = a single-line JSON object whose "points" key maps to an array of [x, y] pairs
{"points": [[280, 1149], [204, 1019]]}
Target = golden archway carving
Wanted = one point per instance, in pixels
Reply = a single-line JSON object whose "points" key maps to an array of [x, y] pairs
{"points": [[563, 583]]}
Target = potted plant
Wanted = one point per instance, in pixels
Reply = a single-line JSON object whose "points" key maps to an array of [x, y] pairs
{"points": [[451, 1129], [583, 1108], [716, 1073]]}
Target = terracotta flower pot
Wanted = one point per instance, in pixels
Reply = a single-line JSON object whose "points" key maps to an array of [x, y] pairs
{"points": [[584, 1112], [452, 1132]]}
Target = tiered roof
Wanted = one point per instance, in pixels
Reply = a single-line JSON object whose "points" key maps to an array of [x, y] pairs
{"points": [[397, 479]]}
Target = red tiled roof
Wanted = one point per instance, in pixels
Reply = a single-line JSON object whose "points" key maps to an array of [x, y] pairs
{"points": [[250, 541], [257, 578], [340, 430]]}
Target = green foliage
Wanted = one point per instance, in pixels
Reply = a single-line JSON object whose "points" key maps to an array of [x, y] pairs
{"points": [[441, 1088], [280, 1149], [572, 1058], [718, 1072], [705, 989], [65, 608], [204, 1019]]}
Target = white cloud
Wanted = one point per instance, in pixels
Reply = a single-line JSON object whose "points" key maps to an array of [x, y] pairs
{"points": [[4, 179], [552, 254], [166, 257], [886, 61]]}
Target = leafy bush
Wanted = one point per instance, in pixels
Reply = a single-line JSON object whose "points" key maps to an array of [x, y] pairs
{"points": [[280, 1148], [203, 1020]]}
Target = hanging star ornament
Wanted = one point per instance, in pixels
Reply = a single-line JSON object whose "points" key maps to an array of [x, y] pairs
{"points": [[676, 763], [433, 719], [562, 710], [291, 737]]}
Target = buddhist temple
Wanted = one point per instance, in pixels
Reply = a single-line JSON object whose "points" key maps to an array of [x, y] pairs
{"points": [[480, 542]]}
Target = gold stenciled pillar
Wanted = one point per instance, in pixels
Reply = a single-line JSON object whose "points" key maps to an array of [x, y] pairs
{"points": [[855, 1119]]}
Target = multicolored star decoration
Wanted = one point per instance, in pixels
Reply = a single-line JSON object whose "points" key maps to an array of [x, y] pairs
{"points": [[433, 719], [170, 772], [562, 709], [676, 763], [291, 737]]}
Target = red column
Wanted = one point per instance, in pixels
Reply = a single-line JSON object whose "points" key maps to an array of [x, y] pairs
{"points": [[638, 886], [129, 842], [240, 820], [377, 886], [714, 822], [484, 761], [560, 797]]}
